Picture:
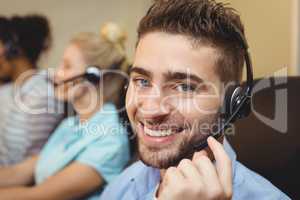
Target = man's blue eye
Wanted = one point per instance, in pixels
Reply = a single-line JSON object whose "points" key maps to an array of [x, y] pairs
{"points": [[142, 82], [185, 88]]}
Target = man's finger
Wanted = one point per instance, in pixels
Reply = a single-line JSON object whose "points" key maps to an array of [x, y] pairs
{"points": [[208, 171], [189, 170], [223, 163], [199, 153], [172, 175]]}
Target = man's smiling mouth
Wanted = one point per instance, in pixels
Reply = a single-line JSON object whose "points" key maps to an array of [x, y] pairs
{"points": [[160, 130]]}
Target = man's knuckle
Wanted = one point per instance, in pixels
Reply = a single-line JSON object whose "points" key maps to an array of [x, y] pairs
{"points": [[170, 171], [184, 163], [204, 159]]}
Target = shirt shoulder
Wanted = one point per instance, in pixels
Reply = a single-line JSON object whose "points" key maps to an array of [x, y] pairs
{"points": [[249, 185], [123, 185], [112, 147], [37, 83], [58, 134], [37, 93]]}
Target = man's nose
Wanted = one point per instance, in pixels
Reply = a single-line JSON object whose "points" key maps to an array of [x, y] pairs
{"points": [[153, 104]]}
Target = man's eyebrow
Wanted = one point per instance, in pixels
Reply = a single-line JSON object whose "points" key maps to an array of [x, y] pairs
{"points": [[182, 76], [140, 70]]}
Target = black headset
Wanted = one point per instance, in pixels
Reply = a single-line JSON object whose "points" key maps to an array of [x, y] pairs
{"points": [[237, 98]]}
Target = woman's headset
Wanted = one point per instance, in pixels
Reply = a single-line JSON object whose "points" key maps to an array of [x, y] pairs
{"points": [[92, 74]]}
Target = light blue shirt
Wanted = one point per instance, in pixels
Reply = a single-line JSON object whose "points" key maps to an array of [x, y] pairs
{"points": [[139, 182], [101, 143]]}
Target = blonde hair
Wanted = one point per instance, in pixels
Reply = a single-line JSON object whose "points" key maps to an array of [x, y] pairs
{"points": [[105, 50]]}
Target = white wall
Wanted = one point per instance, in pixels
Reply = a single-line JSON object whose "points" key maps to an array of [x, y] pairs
{"points": [[68, 17]]}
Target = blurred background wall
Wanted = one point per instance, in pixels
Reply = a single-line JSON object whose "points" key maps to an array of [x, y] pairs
{"points": [[68, 17], [271, 26], [296, 36]]}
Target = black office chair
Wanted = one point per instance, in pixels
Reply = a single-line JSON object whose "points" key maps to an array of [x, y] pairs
{"points": [[268, 151]]}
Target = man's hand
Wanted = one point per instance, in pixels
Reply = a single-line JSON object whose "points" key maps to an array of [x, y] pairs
{"points": [[199, 179]]}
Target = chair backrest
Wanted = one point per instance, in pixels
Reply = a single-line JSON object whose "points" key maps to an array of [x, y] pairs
{"points": [[268, 141]]}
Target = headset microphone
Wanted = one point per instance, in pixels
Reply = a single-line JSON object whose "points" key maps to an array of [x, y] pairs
{"points": [[92, 74]]}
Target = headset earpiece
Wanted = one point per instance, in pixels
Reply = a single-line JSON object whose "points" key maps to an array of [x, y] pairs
{"points": [[235, 100], [232, 100], [93, 74], [126, 87], [226, 109], [236, 103]]}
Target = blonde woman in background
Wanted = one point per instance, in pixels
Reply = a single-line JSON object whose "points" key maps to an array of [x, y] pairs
{"points": [[87, 151]]}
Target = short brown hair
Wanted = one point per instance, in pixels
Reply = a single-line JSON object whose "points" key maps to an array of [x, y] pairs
{"points": [[206, 22]]}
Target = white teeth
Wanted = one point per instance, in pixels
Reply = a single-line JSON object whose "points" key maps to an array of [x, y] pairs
{"points": [[158, 133]]}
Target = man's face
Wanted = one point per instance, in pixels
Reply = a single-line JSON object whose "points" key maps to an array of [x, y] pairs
{"points": [[173, 96]]}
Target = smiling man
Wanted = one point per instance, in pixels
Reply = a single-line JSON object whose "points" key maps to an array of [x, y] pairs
{"points": [[186, 54]]}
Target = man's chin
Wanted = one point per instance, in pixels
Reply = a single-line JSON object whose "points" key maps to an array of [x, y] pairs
{"points": [[161, 158]]}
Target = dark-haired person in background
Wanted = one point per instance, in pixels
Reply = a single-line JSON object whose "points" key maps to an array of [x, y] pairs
{"points": [[23, 40], [5, 74], [28, 110], [187, 50]]}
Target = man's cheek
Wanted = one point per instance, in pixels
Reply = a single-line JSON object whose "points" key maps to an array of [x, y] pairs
{"points": [[206, 105], [131, 97], [189, 107], [130, 106]]}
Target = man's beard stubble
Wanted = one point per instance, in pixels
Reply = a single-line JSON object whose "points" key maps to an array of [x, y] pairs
{"points": [[181, 148]]}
